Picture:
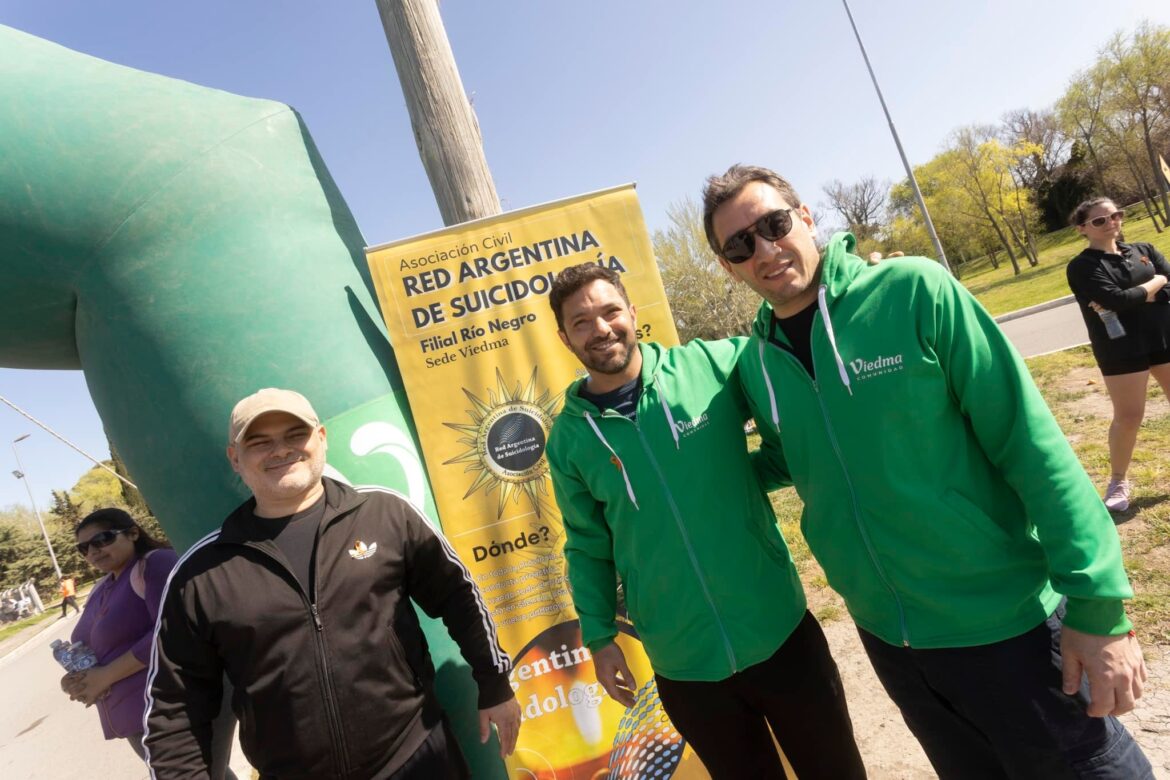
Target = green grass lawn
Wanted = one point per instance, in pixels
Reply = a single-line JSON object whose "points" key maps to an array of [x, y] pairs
{"points": [[16, 626], [1073, 389], [1000, 292], [52, 609]]}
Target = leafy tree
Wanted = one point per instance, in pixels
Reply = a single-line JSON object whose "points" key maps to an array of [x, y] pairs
{"points": [[1139, 73], [1071, 184], [23, 555], [1082, 113], [984, 173], [705, 301], [961, 223], [132, 497], [1120, 109]]}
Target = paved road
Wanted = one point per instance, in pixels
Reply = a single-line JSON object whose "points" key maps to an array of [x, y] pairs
{"points": [[44, 735], [1048, 330]]}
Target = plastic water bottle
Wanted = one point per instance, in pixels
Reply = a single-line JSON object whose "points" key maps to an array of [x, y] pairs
{"points": [[81, 657], [60, 650], [75, 657], [1113, 325]]}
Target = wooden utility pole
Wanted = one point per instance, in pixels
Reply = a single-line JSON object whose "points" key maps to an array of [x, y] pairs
{"points": [[445, 127]]}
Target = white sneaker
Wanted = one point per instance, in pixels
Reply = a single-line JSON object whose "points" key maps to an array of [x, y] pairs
{"points": [[1117, 495]]}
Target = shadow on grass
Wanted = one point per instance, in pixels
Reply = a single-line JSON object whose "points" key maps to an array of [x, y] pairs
{"points": [[1137, 505]]}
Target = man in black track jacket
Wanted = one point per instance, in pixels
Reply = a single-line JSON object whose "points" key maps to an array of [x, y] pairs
{"points": [[303, 600]]}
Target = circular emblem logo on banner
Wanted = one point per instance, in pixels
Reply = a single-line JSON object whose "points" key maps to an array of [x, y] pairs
{"points": [[506, 441]]}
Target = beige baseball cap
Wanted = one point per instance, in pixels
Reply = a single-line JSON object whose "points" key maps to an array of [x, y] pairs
{"points": [[270, 399]]}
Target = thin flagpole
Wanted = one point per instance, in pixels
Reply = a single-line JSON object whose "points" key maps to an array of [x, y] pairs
{"points": [[942, 256], [63, 440]]}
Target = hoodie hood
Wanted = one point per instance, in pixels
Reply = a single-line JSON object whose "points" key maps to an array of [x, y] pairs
{"points": [[839, 267], [652, 354], [575, 405]]}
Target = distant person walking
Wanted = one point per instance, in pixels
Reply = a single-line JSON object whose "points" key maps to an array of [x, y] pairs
{"points": [[1121, 289], [69, 596], [118, 625]]}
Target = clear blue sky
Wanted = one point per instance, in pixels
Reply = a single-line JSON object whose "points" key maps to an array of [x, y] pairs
{"points": [[573, 97]]}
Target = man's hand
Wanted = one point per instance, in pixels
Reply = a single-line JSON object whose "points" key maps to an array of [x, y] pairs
{"points": [[1114, 665], [506, 716], [614, 674]]}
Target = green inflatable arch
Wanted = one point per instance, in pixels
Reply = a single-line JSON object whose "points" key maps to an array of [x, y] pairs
{"points": [[184, 247]]}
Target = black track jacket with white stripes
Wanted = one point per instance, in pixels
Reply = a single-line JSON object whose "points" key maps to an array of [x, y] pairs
{"points": [[332, 684]]}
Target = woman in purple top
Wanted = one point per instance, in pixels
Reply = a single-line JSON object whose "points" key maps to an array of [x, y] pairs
{"points": [[118, 624]]}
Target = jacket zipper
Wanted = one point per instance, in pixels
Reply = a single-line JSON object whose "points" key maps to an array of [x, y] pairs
{"points": [[686, 541], [331, 707], [873, 558], [330, 693]]}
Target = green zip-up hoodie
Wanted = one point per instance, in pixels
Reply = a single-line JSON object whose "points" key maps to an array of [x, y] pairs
{"points": [[941, 497], [671, 504]]}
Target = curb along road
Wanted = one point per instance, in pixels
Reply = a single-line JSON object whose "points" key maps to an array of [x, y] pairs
{"points": [[1047, 327], [1039, 307]]}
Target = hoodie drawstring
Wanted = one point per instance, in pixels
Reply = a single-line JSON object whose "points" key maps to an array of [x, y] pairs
{"points": [[669, 419], [616, 460], [771, 392], [824, 307]]}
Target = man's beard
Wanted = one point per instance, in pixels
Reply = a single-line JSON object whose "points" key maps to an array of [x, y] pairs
{"points": [[613, 363]]}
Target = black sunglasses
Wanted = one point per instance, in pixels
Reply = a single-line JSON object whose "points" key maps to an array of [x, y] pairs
{"points": [[1116, 216], [99, 540], [771, 227]]}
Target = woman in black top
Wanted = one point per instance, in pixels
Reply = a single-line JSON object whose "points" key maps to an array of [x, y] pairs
{"points": [[1121, 289]]}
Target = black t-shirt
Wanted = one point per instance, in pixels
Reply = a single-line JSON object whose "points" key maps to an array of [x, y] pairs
{"points": [[798, 329], [296, 536], [623, 400]]}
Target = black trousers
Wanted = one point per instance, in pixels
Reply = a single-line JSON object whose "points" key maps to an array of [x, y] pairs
{"points": [[437, 758], [797, 692], [69, 601], [998, 711]]}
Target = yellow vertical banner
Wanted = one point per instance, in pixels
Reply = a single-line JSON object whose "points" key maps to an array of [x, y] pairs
{"points": [[468, 315]]}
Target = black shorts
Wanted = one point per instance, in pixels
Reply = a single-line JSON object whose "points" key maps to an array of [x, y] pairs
{"points": [[1132, 365]]}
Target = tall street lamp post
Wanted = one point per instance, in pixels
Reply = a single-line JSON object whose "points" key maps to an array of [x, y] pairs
{"points": [[19, 474]]}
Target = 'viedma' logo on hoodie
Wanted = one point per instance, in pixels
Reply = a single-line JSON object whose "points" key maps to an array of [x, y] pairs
{"points": [[687, 427], [868, 369]]}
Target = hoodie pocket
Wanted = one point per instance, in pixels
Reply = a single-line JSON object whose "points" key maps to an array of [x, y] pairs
{"points": [[975, 518], [630, 596], [401, 660]]}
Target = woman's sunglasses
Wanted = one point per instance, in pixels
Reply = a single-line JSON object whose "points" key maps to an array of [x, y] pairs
{"points": [[99, 540], [1116, 216], [771, 227]]}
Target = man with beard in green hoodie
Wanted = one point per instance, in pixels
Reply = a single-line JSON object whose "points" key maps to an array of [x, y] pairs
{"points": [[941, 498], [655, 486]]}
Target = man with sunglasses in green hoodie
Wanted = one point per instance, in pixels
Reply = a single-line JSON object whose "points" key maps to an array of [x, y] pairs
{"points": [[655, 486], [941, 498]]}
